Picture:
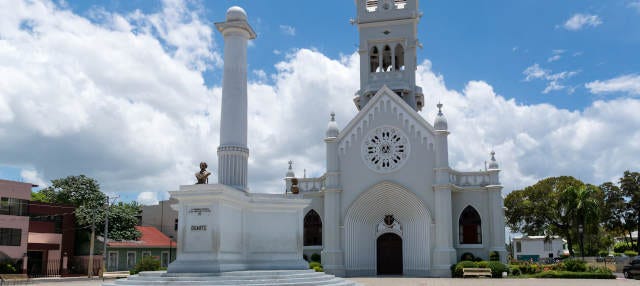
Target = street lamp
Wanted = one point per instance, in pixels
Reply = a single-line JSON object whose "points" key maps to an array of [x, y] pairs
{"points": [[581, 231]]}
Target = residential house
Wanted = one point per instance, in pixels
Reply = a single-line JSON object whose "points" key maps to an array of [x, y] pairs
{"points": [[535, 248], [124, 255], [14, 218]]}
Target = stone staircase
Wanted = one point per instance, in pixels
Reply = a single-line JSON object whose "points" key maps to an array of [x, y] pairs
{"points": [[262, 278]]}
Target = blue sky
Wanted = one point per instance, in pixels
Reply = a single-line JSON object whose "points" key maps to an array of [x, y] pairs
{"points": [[493, 41], [550, 85]]}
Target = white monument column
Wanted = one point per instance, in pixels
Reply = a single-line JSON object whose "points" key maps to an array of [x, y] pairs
{"points": [[233, 153], [444, 253], [496, 210]]}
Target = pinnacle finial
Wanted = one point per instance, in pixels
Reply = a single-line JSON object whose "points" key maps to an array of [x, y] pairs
{"points": [[439, 105], [290, 163], [493, 153], [333, 116]]}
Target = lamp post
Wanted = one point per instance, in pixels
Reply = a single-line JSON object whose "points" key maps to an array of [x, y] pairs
{"points": [[581, 231]]}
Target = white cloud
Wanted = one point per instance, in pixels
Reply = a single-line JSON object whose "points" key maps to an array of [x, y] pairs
{"points": [[579, 21], [556, 55], [148, 198], [554, 80], [288, 30], [629, 84], [112, 102], [32, 176]]}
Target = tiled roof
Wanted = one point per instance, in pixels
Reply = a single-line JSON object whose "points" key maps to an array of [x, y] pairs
{"points": [[151, 237]]}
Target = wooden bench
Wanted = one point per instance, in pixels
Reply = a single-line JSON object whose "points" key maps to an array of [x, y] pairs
{"points": [[477, 272], [5, 279], [116, 274]]}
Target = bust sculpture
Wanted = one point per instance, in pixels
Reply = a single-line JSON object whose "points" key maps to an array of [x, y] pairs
{"points": [[203, 175]]}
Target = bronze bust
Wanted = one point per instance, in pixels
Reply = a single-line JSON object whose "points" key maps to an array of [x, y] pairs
{"points": [[203, 175]]}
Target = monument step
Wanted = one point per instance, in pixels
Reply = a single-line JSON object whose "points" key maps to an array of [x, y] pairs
{"points": [[249, 278]]}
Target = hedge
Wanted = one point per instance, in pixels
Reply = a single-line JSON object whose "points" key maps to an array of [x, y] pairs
{"points": [[575, 275]]}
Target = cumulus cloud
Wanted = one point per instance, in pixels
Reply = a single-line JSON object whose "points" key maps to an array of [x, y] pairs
{"points": [[148, 198], [554, 80], [629, 84], [288, 30], [114, 101], [579, 21], [32, 176]]}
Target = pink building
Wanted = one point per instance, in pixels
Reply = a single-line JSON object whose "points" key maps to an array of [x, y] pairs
{"points": [[14, 218]]}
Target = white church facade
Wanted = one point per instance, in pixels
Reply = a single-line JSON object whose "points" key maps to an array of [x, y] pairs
{"points": [[389, 202]]}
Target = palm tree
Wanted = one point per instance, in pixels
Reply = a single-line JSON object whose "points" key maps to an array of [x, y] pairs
{"points": [[582, 206]]}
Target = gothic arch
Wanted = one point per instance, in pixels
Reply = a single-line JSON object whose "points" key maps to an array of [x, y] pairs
{"points": [[386, 58], [368, 210], [312, 228], [469, 226], [374, 59], [399, 57]]}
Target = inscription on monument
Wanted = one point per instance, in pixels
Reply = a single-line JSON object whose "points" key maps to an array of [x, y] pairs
{"points": [[202, 227]]}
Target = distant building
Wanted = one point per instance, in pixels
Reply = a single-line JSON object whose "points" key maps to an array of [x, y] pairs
{"points": [[124, 255], [14, 218], [162, 217], [51, 238], [535, 248]]}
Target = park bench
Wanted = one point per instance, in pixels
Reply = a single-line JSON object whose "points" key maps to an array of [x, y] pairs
{"points": [[477, 272], [14, 279], [116, 274]]}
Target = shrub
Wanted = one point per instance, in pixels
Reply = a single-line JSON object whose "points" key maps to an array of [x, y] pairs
{"points": [[494, 256], [497, 268], [514, 270], [314, 264], [558, 267], [305, 257], [457, 272], [482, 264], [576, 275], [575, 265], [630, 253], [599, 269], [622, 246], [7, 267], [147, 263], [316, 257], [603, 253], [318, 269], [467, 256]]}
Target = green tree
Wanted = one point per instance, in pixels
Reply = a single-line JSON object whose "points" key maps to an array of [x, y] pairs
{"points": [[630, 185], [545, 208], [84, 193], [583, 209]]}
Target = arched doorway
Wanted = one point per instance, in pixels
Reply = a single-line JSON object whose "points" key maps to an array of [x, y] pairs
{"points": [[389, 250]]}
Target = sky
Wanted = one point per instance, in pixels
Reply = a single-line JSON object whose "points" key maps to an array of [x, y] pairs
{"points": [[128, 92]]}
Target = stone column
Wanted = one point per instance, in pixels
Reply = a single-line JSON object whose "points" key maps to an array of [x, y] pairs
{"points": [[444, 253], [332, 253], [233, 152]]}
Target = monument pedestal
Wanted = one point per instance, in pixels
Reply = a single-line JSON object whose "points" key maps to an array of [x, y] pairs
{"points": [[223, 229]]}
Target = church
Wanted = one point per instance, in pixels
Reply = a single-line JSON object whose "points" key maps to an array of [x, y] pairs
{"points": [[389, 202]]}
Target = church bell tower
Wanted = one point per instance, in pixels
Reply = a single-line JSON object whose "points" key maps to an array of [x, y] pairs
{"points": [[388, 42]]}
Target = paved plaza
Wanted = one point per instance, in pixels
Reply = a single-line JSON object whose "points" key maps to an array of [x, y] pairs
{"points": [[401, 281]]}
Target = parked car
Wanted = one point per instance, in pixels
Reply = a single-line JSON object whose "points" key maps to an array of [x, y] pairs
{"points": [[633, 269]]}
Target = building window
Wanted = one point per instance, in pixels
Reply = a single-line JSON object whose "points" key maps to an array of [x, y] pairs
{"points": [[10, 236], [164, 259], [518, 246], [175, 225], [13, 206], [399, 57], [547, 245], [470, 229], [146, 253], [400, 3], [386, 59], [371, 5], [312, 229], [374, 59], [131, 259]]}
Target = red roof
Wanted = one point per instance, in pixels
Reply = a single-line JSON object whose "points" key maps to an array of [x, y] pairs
{"points": [[151, 237]]}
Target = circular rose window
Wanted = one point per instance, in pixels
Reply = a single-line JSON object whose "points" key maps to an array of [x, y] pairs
{"points": [[385, 149]]}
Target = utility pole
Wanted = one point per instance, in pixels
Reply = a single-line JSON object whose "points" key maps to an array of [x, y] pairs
{"points": [[93, 235], [106, 235]]}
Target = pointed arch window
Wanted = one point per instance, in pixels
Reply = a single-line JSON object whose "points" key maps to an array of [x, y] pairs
{"points": [[399, 58], [470, 226], [312, 229], [386, 58], [374, 57]]}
